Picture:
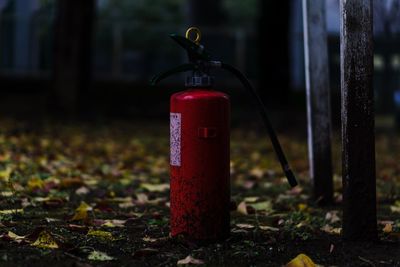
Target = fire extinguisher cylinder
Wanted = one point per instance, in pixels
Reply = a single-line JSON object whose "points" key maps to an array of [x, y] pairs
{"points": [[200, 164]]}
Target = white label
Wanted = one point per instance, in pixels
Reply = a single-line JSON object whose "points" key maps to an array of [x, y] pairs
{"points": [[175, 138]]}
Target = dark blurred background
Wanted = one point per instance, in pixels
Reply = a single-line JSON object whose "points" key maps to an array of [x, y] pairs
{"points": [[93, 58]]}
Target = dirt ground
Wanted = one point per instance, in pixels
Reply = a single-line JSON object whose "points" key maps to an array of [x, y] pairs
{"points": [[91, 194]]}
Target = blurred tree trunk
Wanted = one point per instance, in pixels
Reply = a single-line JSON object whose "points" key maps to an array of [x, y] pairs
{"points": [[206, 12], [72, 54], [387, 90], [274, 52]]}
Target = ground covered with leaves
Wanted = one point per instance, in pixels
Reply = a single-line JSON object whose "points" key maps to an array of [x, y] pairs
{"points": [[80, 194]]}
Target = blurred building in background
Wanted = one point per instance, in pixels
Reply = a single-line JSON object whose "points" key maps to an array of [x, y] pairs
{"points": [[130, 43]]}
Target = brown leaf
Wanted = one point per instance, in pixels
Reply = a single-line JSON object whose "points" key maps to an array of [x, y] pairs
{"points": [[388, 228], [71, 182]]}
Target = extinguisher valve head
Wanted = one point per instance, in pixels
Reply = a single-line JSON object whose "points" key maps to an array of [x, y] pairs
{"points": [[199, 81]]}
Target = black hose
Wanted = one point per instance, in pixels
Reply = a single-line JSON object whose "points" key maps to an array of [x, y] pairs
{"points": [[272, 135]]}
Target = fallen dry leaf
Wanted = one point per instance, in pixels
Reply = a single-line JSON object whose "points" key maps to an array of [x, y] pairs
{"points": [[257, 172], [268, 228], [331, 230], [15, 237], [395, 207], [35, 183], [190, 260], [14, 211], [99, 256], [245, 225], [332, 216], [331, 248], [5, 174], [83, 190], [250, 199], [45, 240], [114, 223], [149, 239], [155, 187], [242, 208], [101, 234], [302, 260], [6, 193], [81, 213], [302, 207], [388, 228], [263, 206], [71, 182]]}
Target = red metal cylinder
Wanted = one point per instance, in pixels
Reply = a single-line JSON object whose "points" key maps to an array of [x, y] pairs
{"points": [[200, 171]]}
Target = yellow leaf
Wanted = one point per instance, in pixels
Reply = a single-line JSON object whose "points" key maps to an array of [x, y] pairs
{"points": [[35, 183], [11, 211], [302, 207], [5, 174], [257, 172], [81, 213], [251, 199], [155, 187], [302, 260], [45, 240], [6, 193], [101, 234], [114, 223]]}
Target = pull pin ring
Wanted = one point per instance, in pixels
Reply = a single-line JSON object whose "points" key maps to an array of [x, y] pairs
{"points": [[196, 32]]}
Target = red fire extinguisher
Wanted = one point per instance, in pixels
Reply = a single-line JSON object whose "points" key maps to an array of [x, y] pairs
{"points": [[199, 136]]}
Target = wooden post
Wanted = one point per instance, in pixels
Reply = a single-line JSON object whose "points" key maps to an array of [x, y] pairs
{"points": [[318, 99], [358, 144], [72, 53]]}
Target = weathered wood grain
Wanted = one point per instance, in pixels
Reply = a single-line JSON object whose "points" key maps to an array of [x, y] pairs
{"points": [[358, 144], [318, 99]]}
